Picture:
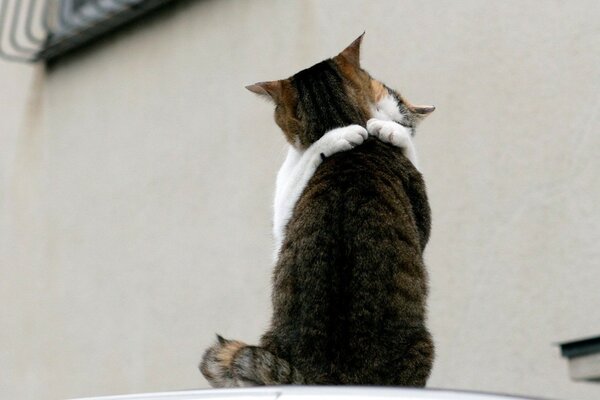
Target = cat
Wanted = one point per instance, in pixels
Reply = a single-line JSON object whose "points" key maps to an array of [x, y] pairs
{"points": [[300, 164], [349, 286]]}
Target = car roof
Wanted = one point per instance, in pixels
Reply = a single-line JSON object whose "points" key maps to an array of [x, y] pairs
{"points": [[315, 392]]}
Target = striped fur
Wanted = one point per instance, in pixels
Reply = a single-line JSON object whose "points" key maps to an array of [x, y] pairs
{"points": [[323, 103], [349, 285]]}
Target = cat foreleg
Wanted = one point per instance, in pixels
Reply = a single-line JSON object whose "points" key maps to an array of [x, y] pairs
{"points": [[294, 180], [395, 134]]}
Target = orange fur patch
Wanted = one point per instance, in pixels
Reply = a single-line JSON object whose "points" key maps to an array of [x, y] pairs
{"points": [[285, 116], [378, 90], [228, 351], [360, 92]]}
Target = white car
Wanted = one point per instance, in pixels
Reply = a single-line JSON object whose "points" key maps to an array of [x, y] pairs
{"points": [[315, 392]]}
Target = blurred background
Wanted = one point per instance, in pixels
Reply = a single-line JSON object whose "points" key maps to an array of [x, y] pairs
{"points": [[137, 174]]}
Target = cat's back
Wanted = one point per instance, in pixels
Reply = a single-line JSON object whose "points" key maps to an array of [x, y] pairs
{"points": [[375, 185], [350, 280]]}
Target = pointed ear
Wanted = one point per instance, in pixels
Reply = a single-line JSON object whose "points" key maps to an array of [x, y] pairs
{"points": [[222, 340], [271, 90], [422, 111], [351, 53]]}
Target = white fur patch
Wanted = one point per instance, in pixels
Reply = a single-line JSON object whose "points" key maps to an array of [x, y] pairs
{"points": [[282, 210], [385, 125], [387, 109]]}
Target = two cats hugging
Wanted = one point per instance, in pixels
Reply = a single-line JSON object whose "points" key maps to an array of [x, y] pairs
{"points": [[351, 221]]}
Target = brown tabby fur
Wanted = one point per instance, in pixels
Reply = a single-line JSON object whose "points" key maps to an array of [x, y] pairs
{"points": [[349, 286]]}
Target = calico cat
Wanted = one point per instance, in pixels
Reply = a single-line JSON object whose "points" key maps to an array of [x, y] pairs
{"points": [[300, 164], [349, 286]]}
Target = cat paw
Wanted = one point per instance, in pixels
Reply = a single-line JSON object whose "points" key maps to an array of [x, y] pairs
{"points": [[389, 132], [341, 139], [216, 364]]}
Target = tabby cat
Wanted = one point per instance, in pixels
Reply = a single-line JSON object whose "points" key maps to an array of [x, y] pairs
{"points": [[351, 223]]}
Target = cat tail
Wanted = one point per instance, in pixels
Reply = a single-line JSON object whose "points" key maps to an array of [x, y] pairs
{"points": [[230, 363]]}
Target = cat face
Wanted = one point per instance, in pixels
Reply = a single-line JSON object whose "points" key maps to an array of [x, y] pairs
{"points": [[390, 105], [334, 93]]}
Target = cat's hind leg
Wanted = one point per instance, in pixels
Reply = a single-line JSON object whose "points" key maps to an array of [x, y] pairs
{"points": [[230, 363]]}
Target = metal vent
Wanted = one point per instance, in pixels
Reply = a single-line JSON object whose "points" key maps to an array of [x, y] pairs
{"points": [[33, 30], [584, 358]]}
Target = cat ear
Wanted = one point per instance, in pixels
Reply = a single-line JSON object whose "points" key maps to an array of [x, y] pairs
{"points": [[352, 53], [271, 90], [422, 111], [222, 341]]}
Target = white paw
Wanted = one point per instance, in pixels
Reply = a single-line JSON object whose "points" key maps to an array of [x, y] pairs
{"points": [[341, 139], [389, 132], [395, 134]]}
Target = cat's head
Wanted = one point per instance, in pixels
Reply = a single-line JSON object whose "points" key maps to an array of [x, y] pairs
{"points": [[334, 93]]}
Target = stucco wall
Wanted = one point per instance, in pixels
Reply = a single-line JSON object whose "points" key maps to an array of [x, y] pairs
{"points": [[137, 178]]}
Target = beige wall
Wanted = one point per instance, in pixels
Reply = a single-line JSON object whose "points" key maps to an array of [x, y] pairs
{"points": [[136, 180]]}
